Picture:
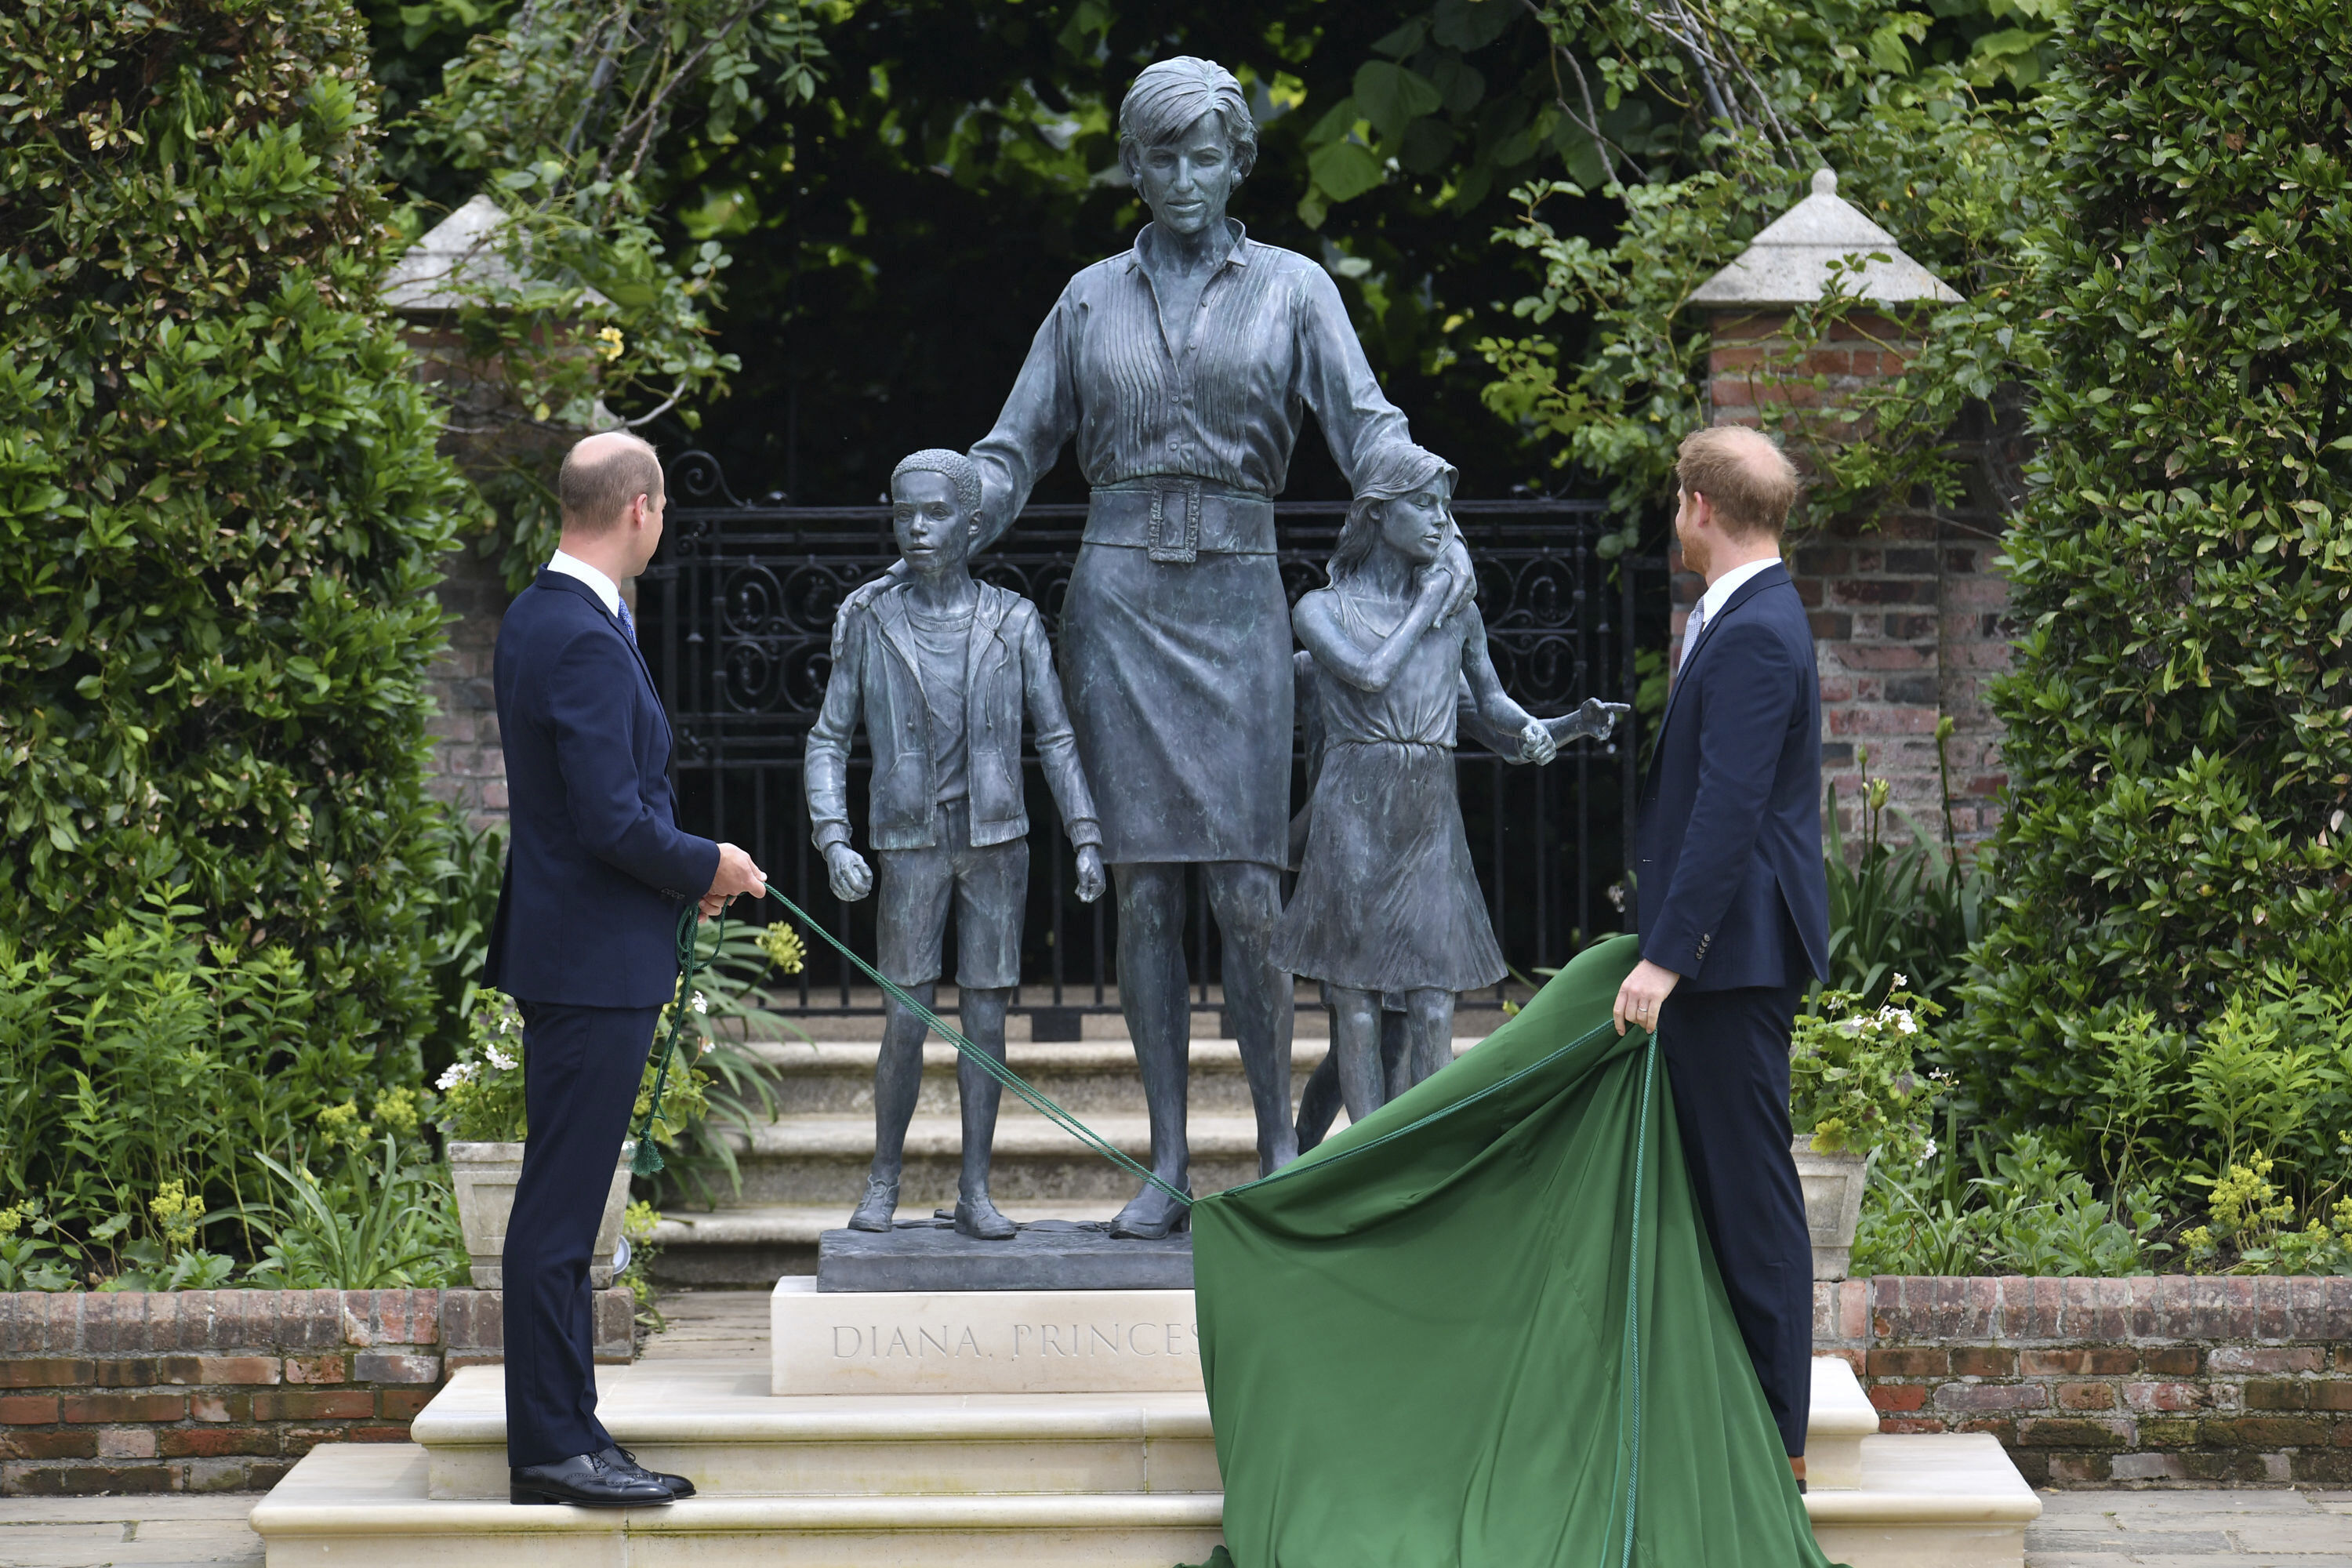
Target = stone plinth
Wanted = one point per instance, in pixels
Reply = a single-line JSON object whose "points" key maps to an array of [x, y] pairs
{"points": [[982, 1342], [1045, 1255]]}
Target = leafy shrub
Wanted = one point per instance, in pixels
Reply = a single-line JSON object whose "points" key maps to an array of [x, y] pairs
{"points": [[223, 512], [2034, 1213], [714, 1085], [372, 1224], [35, 1254], [2178, 719], [150, 1059], [1913, 907]]}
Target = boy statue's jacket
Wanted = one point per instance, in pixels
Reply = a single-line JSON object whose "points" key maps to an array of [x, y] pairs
{"points": [[1006, 661]]}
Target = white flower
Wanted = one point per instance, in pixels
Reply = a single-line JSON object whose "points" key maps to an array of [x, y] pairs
{"points": [[1902, 982], [500, 1059], [1905, 1024], [709, 1047], [700, 1003], [455, 1074], [1929, 1153]]}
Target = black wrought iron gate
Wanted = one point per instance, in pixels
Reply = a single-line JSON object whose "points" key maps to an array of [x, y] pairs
{"points": [[737, 616]]}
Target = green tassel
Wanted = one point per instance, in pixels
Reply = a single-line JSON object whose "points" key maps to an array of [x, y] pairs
{"points": [[647, 1160]]}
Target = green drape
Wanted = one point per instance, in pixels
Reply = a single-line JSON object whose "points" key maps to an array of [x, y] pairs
{"points": [[1483, 1326]]}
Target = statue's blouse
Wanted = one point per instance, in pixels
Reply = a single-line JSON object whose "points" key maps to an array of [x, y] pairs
{"points": [[1219, 397]]}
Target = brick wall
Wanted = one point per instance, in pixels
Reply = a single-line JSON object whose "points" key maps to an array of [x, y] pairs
{"points": [[224, 1390], [1910, 612], [2093, 1382], [468, 769]]}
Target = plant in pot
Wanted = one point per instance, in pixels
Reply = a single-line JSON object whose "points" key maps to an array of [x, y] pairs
{"points": [[714, 1070], [484, 1121], [1854, 1091]]}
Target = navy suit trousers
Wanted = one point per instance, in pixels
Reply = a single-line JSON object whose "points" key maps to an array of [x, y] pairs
{"points": [[1727, 1058], [581, 1070]]}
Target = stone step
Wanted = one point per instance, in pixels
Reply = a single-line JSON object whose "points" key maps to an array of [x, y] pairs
{"points": [[367, 1505], [805, 1171], [814, 1160], [1083, 1077], [718, 1424], [896, 1480]]}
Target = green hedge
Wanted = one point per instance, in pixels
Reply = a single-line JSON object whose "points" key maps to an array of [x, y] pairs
{"points": [[223, 514], [2173, 870]]}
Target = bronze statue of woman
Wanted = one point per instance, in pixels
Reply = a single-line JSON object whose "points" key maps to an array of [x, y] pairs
{"points": [[1182, 369]]}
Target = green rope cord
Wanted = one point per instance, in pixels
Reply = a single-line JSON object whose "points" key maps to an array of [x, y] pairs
{"points": [[648, 1160]]}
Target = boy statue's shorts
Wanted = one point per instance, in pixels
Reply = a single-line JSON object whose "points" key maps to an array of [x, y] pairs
{"points": [[989, 887]]}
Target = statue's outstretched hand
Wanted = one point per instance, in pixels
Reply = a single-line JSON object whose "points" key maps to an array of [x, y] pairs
{"points": [[847, 869], [1595, 719], [1091, 881]]}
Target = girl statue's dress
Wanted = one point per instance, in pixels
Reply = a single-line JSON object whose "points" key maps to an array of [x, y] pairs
{"points": [[1387, 899]]}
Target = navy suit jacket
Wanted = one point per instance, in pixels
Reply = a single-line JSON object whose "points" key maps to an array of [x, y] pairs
{"points": [[596, 868], [1727, 856]]}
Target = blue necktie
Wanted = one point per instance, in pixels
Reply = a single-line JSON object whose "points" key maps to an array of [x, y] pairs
{"points": [[628, 622]]}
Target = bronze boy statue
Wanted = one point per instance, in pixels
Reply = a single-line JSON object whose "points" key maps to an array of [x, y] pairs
{"points": [[940, 666]]}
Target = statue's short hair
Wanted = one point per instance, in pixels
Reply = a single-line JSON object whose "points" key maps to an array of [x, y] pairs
{"points": [[601, 475], [1170, 94], [961, 471], [1745, 478]]}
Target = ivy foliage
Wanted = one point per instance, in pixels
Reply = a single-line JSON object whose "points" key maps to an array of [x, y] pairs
{"points": [[2180, 717], [558, 110], [222, 510], [1702, 123]]}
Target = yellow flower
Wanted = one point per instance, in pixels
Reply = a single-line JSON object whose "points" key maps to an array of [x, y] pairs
{"points": [[610, 344], [396, 1109], [13, 1218], [782, 945], [176, 1211]]}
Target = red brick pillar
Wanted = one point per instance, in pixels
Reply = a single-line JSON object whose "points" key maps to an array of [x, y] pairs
{"points": [[1908, 607]]}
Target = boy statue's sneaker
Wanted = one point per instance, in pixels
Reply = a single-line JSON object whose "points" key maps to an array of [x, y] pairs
{"points": [[877, 1207], [977, 1218]]}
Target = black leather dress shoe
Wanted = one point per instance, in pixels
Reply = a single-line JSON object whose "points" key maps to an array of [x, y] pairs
{"points": [[586, 1480], [620, 1459]]}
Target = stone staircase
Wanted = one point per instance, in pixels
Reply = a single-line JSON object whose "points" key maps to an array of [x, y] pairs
{"points": [[804, 1171], [943, 1480]]}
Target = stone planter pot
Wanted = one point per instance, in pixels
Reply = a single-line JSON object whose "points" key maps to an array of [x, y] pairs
{"points": [[484, 1176], [1834, 1186]]}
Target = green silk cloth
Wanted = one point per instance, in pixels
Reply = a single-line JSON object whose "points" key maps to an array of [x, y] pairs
{"points": [[1483, 1326]]}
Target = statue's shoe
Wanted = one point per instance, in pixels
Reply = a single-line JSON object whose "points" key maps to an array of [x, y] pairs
{"points": [[1151, 1216], [977, 1218], [875, 1209]]}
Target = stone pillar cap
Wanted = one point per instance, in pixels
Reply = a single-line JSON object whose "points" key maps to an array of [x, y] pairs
{"points": [[1789, 263], [457, 264]]}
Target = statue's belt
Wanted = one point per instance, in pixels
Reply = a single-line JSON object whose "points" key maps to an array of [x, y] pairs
{"points": [[1180, 520]]}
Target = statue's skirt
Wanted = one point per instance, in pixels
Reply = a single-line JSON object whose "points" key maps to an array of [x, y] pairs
{"points": [[1179, 681]]}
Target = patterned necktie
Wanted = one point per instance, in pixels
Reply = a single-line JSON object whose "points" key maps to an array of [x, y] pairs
{"points": [[628, 622], [1690, 632]]}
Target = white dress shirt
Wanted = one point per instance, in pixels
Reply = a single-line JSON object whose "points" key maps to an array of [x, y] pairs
{"points": [[607, 590], [1711, 603]]}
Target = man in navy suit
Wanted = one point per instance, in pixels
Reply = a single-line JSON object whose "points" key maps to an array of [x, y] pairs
{"points": [[586, 942], [1734, 902]]}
